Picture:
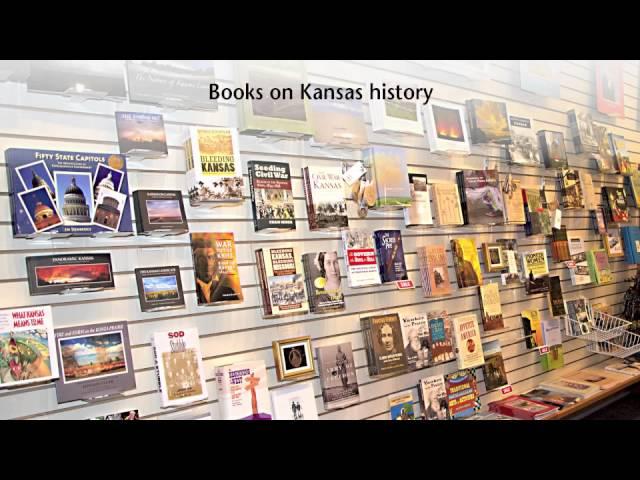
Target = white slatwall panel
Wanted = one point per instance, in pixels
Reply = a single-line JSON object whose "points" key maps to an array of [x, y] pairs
{"points": [[238, 332]]}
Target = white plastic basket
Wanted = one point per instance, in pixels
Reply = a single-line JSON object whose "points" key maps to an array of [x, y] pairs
{"points": [[600, 328], [621, 346]]}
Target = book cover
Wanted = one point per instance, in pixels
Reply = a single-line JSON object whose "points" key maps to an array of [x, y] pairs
{"points": [[447, 205], [552, 398], [580, 323], [159, 212], [95, 360], [556, 300], [616, 203], [493, 370], [572, 387], [482, 196], [433, 398], [178, 361], [491, 307], [51, 274], [141, 134], [572, 195], [337, 372], [386, 349], [419, 214], [326, 207], [551, 332], [590, 202], [361, 258], [159, 288], [634, 185], [553, 149], [560, 245], [620, 154], [512, 273], [532, 327], [604, 155], [390, 176], [536, 270], [521, 407], [446, 127], [396, 116], [613, 244], [214, 172], [610, 88], [538, 217], [180, 84], [466, 263], [68, 193], [271, 196], [437, 269], [463, 398], [282, 281], [415, 338], [488, 121], [599, 267], [468, 342], [324, 285], [631, 238], [401, 406], [513, 204], [524, 148], [540, 77], [441, 337], [390, 255], [243, 392], [27, 346], [294, 402], [582, 131], [580, 271], [216, 269], [602, 378], [623, 367]]}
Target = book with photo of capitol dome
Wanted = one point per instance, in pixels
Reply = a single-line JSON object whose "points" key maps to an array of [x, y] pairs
{"points": [[57, 193]]}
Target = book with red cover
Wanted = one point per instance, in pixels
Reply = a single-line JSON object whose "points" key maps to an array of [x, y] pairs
{"points": [[610, 88], [523, 408]]}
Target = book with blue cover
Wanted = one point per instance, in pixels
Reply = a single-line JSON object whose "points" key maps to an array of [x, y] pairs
{"points": [[390, 255], [631, 239]]}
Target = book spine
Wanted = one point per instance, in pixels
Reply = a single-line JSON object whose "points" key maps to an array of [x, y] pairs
{"points": [[309, 282], [156, 364], [250, 167], [308, 195], [136, 212], [463, 197], [264, 285]]}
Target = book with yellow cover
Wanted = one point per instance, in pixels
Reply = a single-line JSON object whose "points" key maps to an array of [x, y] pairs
{"points": [[390, 176], [536, 271], [491, 307], [466, 263], [446, 200], [532, 328], [513, 204]]}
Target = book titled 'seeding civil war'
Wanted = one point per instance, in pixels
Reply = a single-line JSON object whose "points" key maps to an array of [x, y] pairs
{"points": [[271, 196]]}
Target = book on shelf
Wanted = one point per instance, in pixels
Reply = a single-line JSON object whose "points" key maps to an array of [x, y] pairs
{"points": [[159, 288], [610, 87], [390, 255], [631, 239], [488, 121], [441, 337], [586, 181], [531, 324], [466, 263], [271, 196], [447, 127], [243, 392], [560, 245], [141, 134], [598, 221], [633, 184], [419, 214], [383, 341], [415, 338], [463, 396], [396, 116], [553, 359], [540, 77], [524, 148], [493, 370], [620, 154], [560, 400], [536, 271], [480, 197], [553, 149], [571, 188], [433, 398], [580, 271], [434, 270], [466, 332], [523, 408], [538, 217], [323, 192], [599, 267], [324, 285], [214, 171], [179, 368], [555, 298], [570, 386], [612, 242], [615, 205], [513, 203], [511, 274], [579, 321], [551, 332], [281, 281], [159, 212], [390, 176], [446, 201], [294, 402], [582, 131], [490, 306], [604, 379], [401, 406], [337, 372], [361, 258], [603, 156]]}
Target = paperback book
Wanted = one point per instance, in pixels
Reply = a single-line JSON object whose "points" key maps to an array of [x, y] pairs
{"points": [[512, 197], [323, 191], [553, 149], [383, 341], [586, 181], [361, 258], [434, 270], [469, 352], [582, 131], [604, 155], [532, 326], [555, 298], [580, 270], [466, 263], [390, 255], [560, 245], [141, 134], [324, 285], [463, 397], [536, 270], [337, 372], [294, 402], [572, 195], [433, 398], [523, 408], [613, 244], [491, 308], [419, 214], [552, 398], [524, 148], [159, 212], [390, 177], [620, 154], [51, 274], [538, 217], [481, 197], [401, 406], [159, 288], [631, 239], [512, 273], [599, 268], [493, 370], [415, 338], [615, 203], [441, 336], [446, 201], [243, 392], [553, 359], [396, 116], [271, 196], [281, 281]]}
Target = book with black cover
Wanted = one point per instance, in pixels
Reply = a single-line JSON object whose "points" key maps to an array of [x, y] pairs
{"points": [[390, 255], [159, 212], [271, 196], [50, 274], [481, 197], [553, 149], [159, 288], [383, 341]]}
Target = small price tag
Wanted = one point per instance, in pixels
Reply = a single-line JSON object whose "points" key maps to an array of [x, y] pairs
{"points": [[544, 349], [352, 175], [557, 219], [404, 284], [570, 264], [506, 389]]}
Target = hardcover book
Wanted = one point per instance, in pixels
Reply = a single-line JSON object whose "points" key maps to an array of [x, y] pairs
{"points": [[446, 201], [323, 191], [571, 387], [179, 369], [183, 84], [271, 196], [50, 274], [396, 116], [324, 285], [532, 327], [523, 408], [610, 88], [419, 214], [524, 148], [159, 288], [463, 397], [446, 127], [434, 270], [577, 311], [281, 281], [216, 269], [441, 336], [27, 346], [141, 134], [551, 333], [159, 212], [390, 255], [390, 177], [536, 212], [582, 131], [493, 370], [631, 239], [513, 204], [361, 259], [468, 342], [488, 121], [243, 392], [383, 340], [491, 307], [620, 154], [604, 156], [401, 406], [634, 185], [572, 195], [466, 263], [556, 300], [481, 197], [95, 360], [540, 77], [616, 209], [536, 270], [337, 372], [599, 267], [553, 149], [68, 193], [294, 402], [433, 398], [415, 338], [613, 244], [214, 172]]}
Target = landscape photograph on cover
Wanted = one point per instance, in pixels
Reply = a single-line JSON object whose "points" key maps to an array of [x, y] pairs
{"points": [[491, 118], [137, 132], [448, 123], [74, 197], [158, 289], [287, 290], [74, 275], [181, 373], [289, 109], [24, 355], [401, 109], [92, 356], [40, 208], [164, 211]]}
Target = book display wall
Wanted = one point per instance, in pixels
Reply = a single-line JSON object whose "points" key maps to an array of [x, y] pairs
{"points": [[191, 263]]}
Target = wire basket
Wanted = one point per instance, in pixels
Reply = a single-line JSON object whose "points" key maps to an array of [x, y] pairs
{"points": [[603, 327], [621, 346]]}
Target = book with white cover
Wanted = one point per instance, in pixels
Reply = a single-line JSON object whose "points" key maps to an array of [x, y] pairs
{"points": [[446, 127], [396, 116], [243, 392], [551, 332], [294, 402], [468, 342], [573, 387], [540, 76]]}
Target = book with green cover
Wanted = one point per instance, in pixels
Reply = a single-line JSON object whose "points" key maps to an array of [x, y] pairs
{"points": [[599, 268], [552, 360]]}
